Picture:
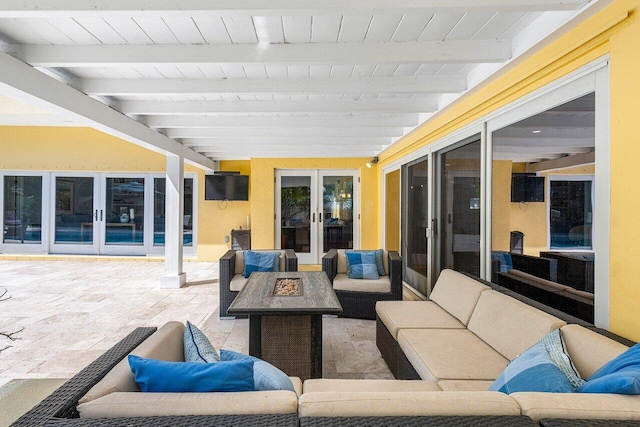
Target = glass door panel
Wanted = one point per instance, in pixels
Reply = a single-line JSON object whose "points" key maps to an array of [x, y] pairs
{"points": [[123, 227], [159, 208], [459, 233], [415, 224], [75, 215], [337, 212], [296, 215], [22, 219]]}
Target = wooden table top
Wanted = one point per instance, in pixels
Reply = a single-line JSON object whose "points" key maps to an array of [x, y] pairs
{"points": [[257, 296]]}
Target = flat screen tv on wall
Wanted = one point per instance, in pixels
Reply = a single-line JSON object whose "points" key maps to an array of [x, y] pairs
{"points": [[226, 187], [527, 188]]}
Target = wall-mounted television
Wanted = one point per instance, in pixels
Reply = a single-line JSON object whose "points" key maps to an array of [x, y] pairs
{"points": [[527, 188], [226, 187]]}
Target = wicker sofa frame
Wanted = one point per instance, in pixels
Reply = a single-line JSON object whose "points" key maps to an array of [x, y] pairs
{"points": [[362, 305], [60, 407], [227, 268]]}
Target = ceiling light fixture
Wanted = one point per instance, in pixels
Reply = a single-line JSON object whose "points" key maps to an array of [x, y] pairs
{"points": [[372, 162], [536, 131]]}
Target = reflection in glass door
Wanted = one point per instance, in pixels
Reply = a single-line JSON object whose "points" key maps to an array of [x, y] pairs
{"points": [[75, 215], [295, 203], [459, 234], [22, 218], [159, 207], [415, 224], [124, 211], [337, 212]]}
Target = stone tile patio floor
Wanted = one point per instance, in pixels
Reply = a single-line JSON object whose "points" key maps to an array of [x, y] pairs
{"points": [[73, 311]]}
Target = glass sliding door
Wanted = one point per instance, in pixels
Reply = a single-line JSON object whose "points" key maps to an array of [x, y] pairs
{"points": [[22, 216], [415, 223], [123, 222], [459, 209], [159, 209], [76, 216], [297, 210]]}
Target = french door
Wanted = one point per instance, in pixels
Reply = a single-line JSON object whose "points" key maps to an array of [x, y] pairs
{"points": [[316, 210]]}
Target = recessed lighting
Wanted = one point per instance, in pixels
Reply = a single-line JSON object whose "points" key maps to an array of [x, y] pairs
{"points": [[536, 131]]}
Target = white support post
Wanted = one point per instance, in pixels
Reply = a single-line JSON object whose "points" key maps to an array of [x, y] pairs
{"points": [[174, 210]]}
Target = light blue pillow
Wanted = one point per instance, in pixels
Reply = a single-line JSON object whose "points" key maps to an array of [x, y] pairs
{"points": [[379, 262], [506, 263], [260, 261], [265, 375], [197, 348], [544, 367], [620, 375], [362, 265], [160, 376]]}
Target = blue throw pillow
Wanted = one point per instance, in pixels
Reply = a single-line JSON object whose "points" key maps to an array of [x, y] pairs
{"points": [[265, 375], [260, 261], [620, 375], [161, 376], [362, 265], [197, 348], [380, 263], [505, 260], [544, 367]]}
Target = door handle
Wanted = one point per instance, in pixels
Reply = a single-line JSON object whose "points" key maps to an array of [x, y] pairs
{"points": [[320, 217], [95, 216], [313, 217], [434, 226], [100, 214]]}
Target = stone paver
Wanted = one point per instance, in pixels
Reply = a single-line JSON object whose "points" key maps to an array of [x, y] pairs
{"points": [[72, 311]]}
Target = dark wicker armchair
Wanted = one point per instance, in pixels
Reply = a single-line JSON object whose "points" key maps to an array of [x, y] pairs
{"points": [[362, 304], [232, 281]]}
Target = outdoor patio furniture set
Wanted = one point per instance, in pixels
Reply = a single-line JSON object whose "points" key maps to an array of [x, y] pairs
{"points": [[445, 353]]}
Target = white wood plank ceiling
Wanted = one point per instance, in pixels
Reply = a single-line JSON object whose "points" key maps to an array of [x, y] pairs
{"points": [[236, 79]]}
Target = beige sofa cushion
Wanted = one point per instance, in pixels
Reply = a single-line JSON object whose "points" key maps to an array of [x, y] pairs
{"points": [[457, 294], [342, 283], [164, 344], [240, 260], [237, 282], [414, 314], [342, 261], [132, 404], [438, 354], [508, 325], [588, 349], [364, 385], [578, 405], [348, 404], [464, 385]]}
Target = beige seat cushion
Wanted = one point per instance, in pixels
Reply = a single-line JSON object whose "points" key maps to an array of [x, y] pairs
{"points": [[588, 349], [457, 294], [578, 405], [439, 354], [414, 315], [164, 344], [349, 404], [464, 385], [364, 385], [132, 404], [508, 325], [237, 282], [343, 283]]}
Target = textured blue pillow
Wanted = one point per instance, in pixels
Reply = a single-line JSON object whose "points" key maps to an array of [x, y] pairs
{"points": [[379, 262], [362, 265], [260, 261], [544, 367], [265, 375], [506, 263], [197, 348], [161, 376], [620, 375]]}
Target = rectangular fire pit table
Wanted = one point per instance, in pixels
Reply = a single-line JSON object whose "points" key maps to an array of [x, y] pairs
{"points": [[286, 331]]}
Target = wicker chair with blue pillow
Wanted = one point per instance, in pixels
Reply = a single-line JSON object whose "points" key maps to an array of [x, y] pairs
{"points": [[357, 285], [234, 274]]}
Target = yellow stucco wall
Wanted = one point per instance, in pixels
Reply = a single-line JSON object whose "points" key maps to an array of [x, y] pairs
{"points": [[614, 31], [392, 211]]}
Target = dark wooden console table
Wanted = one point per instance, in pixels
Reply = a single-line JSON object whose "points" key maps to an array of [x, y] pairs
{"points": [[286, 331]]}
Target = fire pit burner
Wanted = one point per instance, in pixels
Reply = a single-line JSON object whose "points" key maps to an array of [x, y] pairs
{"points": [[287, 287]]}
